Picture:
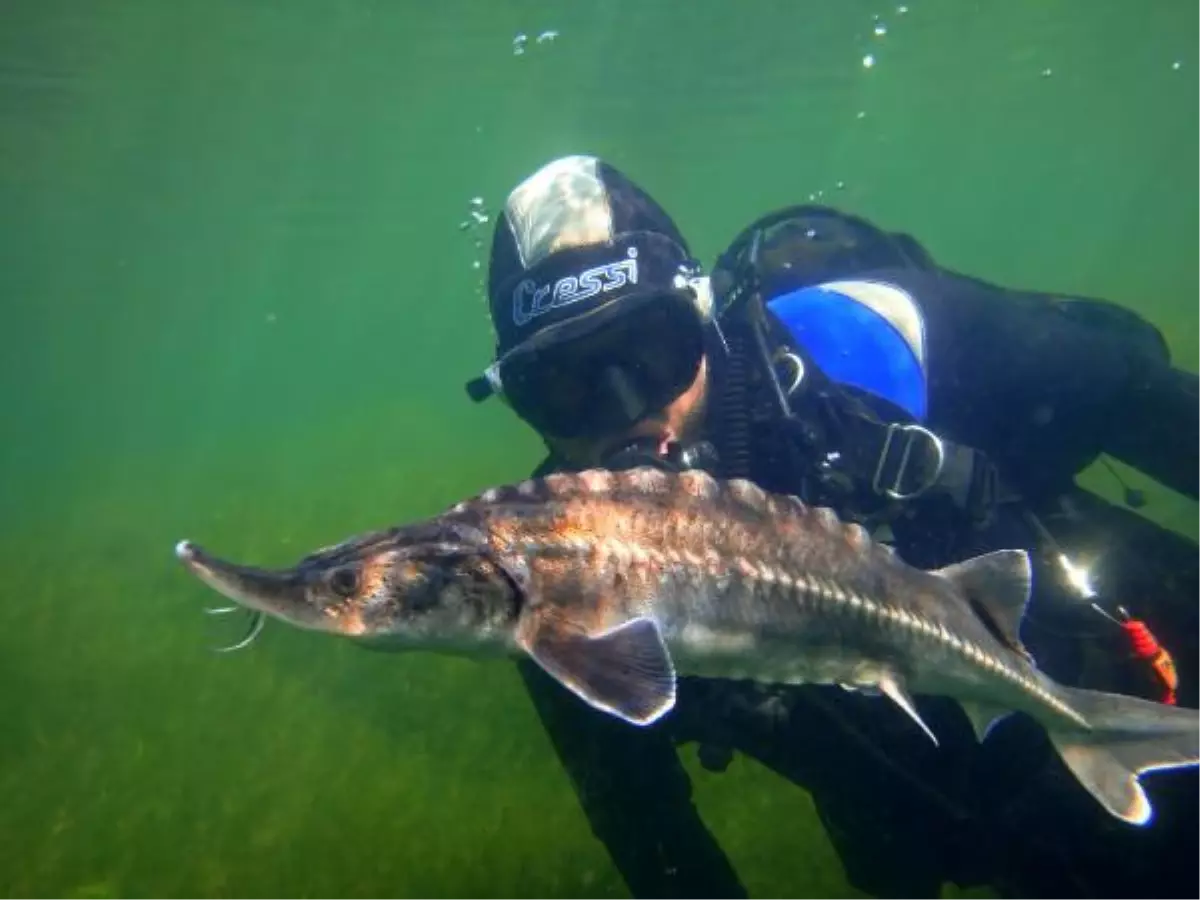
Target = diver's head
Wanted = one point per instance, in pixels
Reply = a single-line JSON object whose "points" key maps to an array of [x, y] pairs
{"points": [[600, 313]]}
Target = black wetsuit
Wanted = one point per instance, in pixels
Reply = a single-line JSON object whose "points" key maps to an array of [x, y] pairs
{"points": [[1042, 385]]}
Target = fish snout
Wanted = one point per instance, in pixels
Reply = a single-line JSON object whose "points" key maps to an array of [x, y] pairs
{"points": [[281, 594]]}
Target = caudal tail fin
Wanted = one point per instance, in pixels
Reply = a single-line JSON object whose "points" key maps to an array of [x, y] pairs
{"points": [[1128, 737]]}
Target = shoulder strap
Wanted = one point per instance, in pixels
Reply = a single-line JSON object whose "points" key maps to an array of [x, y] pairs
{"points": [[904, 461]]}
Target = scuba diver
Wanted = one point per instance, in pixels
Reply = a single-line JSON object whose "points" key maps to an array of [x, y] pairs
{"points": [[826, 358]]}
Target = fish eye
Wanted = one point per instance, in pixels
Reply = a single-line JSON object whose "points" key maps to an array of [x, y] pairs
{"points": [[343, 581]]}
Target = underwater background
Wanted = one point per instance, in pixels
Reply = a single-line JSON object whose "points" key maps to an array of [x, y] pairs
{"points": [[239, 306]]}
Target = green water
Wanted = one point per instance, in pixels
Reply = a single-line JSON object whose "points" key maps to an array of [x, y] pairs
{"points": [[237, 307]]}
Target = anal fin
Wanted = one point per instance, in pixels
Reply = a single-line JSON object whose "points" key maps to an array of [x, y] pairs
{"points": [[626, 671], [983, 717]]}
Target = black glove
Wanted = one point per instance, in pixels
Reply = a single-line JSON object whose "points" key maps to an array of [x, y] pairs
{"points": [[645, 452]]}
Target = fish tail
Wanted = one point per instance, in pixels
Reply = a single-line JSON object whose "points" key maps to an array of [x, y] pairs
{"points": [[1126, 737]]}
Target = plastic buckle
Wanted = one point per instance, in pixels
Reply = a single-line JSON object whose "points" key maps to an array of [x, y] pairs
{"points": [[905, 438]]}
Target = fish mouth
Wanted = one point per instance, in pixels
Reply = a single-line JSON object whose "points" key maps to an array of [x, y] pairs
{"points": [[279, 594]]}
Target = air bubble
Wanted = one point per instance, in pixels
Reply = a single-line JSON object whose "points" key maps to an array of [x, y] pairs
{"points": [[521, 41]]}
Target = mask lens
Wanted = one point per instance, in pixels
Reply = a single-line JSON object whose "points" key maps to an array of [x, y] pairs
{"points": [[610, 378]]}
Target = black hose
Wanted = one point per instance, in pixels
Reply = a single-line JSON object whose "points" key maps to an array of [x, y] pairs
{"points": [[733, 435]]}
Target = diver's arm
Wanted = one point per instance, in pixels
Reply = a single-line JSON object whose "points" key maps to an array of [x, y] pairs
{"points": [[1046, 383], [1160, 424], [1148, 415], [546, 467], [636, 795]]}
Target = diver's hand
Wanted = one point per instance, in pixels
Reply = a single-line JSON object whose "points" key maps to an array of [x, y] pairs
{"points": [[640, 452], [696, 455]]}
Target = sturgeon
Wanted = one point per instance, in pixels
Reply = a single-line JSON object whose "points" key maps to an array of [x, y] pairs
{"points": [[614, 582]]}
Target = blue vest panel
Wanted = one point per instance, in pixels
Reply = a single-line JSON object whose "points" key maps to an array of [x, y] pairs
{"points": [[864, 335]]}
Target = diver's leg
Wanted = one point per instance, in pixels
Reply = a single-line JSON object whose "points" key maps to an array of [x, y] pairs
{"points": [[636, 795], [888, 800]]}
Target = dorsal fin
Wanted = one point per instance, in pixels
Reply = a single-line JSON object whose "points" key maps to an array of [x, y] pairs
{"points": [[997, 585]]}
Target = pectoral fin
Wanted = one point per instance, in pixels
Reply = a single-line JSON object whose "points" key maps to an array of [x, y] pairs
{"points": [[626, 671]]}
